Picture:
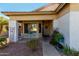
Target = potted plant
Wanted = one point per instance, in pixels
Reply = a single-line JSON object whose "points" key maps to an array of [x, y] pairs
{"points": [[3, 42], [33, 44]]}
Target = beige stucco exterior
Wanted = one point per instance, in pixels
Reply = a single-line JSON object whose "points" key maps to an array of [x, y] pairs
{"points": [[67, 8], [33, 17], [63, 11], [74, 7]]}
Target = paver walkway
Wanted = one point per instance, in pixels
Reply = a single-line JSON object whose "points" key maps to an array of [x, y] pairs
{"points": [[20, 49], [49, 50]]}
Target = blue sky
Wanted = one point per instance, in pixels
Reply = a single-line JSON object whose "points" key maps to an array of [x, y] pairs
{"points": [[20, 7]]}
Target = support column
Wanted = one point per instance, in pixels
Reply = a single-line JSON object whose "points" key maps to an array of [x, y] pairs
{"points": [[13, 31]]}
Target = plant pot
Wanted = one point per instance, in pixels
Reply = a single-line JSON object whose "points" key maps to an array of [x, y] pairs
{"points": [[4, 43], [34, 49]]}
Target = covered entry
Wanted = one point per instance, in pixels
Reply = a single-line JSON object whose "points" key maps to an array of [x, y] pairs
{"points": [[35, 29], [30, 29], [30, 24]]}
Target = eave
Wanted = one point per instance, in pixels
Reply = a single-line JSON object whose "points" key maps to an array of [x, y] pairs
{"points": [[36, 12], [28, 13]]}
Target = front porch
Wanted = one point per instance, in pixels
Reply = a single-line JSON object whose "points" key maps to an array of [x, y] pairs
{"points": [[30, 29], [42, 22], [34, 29], [20, 49], [29, 25]]}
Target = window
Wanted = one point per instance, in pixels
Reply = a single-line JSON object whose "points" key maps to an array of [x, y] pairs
{"points": [[39, 28], [30, 28], [25, 28], [33, 28]]}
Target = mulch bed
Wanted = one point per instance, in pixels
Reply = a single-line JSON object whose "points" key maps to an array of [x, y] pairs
{"points": [[20, 49]]}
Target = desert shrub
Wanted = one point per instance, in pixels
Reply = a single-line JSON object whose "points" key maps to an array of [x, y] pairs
{"points": [[33, 44]]}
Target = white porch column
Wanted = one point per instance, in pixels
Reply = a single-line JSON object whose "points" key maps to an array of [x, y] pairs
{"points": [[13, 30]]}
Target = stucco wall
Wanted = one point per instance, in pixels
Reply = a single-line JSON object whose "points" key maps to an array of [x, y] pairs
{"points": [[33, 17], [74, 30], [62, 24], [68, 25]]}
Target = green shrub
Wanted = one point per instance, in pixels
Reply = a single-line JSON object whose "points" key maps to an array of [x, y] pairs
{"points": [[70, 52], [67, 50], [2, 39], [56, 38], [33, 44]]}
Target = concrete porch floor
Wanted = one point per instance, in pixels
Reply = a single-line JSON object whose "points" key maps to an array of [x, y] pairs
{"points": [[48, 49]]}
